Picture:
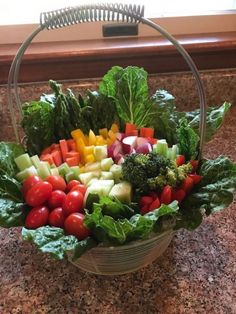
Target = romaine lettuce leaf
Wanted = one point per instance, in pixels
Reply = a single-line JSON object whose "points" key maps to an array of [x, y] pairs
{"points": [[8, 152]]}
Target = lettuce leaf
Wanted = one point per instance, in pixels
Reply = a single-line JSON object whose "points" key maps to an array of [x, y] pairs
{"points": [[8, 152], [53, 241], [214, 193], [108, 230], [12, 208], [129, 88]]}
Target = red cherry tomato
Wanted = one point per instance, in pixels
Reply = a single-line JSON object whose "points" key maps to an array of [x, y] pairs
{"points": [[71, 184], [29, 182], [74, 225], [144, 209], [196, 178], [56, 218], [194, 164], [39, 194], [80, 187], [56, 199], [180, 160], [73, 202], [57, 182], [37, 217], [155, 204], [187, 184], [166, 195], [178, 195], [145, 200]]}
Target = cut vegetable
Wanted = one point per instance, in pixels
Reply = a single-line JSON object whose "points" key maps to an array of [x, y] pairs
{"points": [[122, 191], [23, 161]]}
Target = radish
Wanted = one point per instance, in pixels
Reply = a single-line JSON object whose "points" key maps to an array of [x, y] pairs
{"points": [[144, 148], [114, 149], [120, 136], [117, 158], [141, 141], [128, 143]]}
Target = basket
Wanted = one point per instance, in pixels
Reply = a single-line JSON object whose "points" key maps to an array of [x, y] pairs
{"points": [[135, 255]]}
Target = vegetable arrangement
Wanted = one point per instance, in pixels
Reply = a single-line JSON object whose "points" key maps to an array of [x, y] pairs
{"points": [[110, 168]]}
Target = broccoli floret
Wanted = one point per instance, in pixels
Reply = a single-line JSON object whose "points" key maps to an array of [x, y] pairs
{"points": [[183, 171], [138, 168]]}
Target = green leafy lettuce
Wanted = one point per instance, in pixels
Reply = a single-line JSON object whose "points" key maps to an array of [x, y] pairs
{"points": [[12, 207], [129, 88], [108, 230], [214, 193], [53, 241]]}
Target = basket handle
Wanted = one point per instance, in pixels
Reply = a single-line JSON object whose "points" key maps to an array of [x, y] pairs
{"points": [[91, 13]]}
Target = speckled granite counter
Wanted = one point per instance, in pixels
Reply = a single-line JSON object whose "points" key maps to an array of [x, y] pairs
{"points": [[197, 273]]}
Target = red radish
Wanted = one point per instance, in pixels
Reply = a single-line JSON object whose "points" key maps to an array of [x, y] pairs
{"points": [[180, 160], [178, 195], [166, 195], [117, 158], [120, 136], [144, 149], [196, 178], [128, 143], [114, 149], [141, 141], [155, 204], [121, 160]]}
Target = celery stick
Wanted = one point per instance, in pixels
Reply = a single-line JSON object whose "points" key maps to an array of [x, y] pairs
{"points": [[23, 161]]}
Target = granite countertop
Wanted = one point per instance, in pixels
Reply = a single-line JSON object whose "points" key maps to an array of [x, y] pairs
{"points": [[196, 274]]}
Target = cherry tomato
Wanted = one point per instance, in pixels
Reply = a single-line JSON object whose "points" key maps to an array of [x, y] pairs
{"points": [[74, 225], [71, 184], [196, 178], [56, 218], [38, 194], [155, 204], [73, 202], [145, 200], [166, 194], [57, 182], [29, 182], [180, 160], [194, 164], [37, 217], [144, 209], [187, 184], [56, 199], [178, 195], [80, 187]]}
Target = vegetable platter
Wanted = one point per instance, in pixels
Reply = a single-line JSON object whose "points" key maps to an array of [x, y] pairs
{"points": [[106, 178]]}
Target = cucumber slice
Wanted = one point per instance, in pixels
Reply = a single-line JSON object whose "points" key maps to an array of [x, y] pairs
{"points": [[100, 152], [35, 160], [85, 177], [63, 169], [122, 191], [92, 167], [106, 175], [54, 172], [106, 164], [101, 187], [44, 170], [116, 171], [161, 148], [71, 176], [24, 174], [23, 161]]}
